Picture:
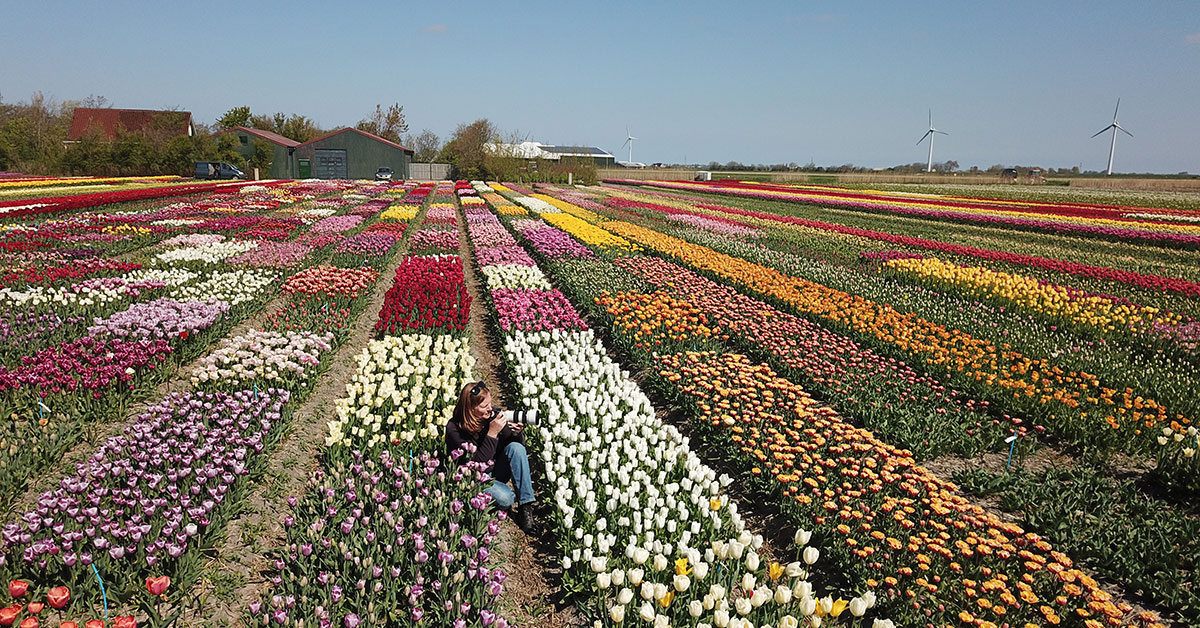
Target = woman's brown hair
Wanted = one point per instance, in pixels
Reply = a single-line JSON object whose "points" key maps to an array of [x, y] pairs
{"points": [[472, 394]]}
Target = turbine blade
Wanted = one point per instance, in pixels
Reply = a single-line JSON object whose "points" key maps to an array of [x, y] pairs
{"points": [[931, 118], [1123, 130], [1116, 110], [1103, 130], [927, 134]]}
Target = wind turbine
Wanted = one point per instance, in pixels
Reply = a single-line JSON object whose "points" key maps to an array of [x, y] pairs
{"points": [[629, 140], [930, 133], [1114, 126]]}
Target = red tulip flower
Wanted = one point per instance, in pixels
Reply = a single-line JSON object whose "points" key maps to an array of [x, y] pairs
{"points": [[29, 622], [36, 607], [158, 586], [8, 614], [17, 588], [93, 623], [71, 624], [125, 621], [58, 597]]}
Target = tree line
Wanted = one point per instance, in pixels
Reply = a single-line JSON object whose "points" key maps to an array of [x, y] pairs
{"points": [[33, 140]]}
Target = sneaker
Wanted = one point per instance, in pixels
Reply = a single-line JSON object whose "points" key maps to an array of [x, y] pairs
{"points": [[523, 517]]}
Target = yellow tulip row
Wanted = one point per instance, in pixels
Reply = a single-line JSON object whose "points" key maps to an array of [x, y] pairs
{"points": [[589, 233], [1100, 312], [570, 208]]}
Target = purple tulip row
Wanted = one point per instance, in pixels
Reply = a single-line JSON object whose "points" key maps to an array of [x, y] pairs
{"points": [[272, 255], [550, 241], [390, 541], [142, 499], [160, 318], [367, 243]]}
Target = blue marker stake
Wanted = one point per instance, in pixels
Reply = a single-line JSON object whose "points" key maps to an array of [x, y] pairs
{"points": [[103, 595], [1012, 444], [256, 391], [410, 461], [41, 409]]}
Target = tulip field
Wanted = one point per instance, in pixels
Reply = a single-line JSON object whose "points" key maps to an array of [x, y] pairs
{"points": [[763, 405]]}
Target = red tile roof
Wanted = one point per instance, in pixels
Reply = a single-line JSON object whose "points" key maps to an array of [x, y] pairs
{"points": [[270, 136], [109, 120], [360, 132]]}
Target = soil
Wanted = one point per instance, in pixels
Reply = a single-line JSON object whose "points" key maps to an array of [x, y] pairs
{"points": [[239, 572], [532, 595]]}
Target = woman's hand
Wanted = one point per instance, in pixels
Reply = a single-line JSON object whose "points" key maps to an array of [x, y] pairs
{"points": [[516, 427], [497, 424]]}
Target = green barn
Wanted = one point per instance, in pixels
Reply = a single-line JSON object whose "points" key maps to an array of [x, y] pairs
{"points": [[349, 154], [282, 148]]}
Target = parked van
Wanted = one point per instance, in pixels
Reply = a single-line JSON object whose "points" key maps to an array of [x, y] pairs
{"points": [[218, 170]]}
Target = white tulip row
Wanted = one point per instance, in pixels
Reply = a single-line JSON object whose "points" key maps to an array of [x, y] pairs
{"points": [[80, 294], [233, 287], [405, 388], [265, 355], [481, 187], [536, 205], [639, 499], [173, 277], [209, 253], [515, 276]]}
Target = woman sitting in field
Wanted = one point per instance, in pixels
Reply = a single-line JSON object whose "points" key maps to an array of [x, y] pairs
{"points": [[495, 439]]}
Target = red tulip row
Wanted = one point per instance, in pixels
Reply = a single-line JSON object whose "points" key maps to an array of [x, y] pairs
{"points": [[429, 294]]}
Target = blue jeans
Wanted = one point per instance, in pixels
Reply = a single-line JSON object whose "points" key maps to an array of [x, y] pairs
{"points": [[513, 465]]}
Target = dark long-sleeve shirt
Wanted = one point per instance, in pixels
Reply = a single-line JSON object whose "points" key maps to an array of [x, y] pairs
{"points": [[486, 447]]}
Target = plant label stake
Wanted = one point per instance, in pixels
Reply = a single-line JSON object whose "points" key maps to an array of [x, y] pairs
{"points": [[410, 461], [1012, 444], [42, 409], [103, 594], [256, 391]]}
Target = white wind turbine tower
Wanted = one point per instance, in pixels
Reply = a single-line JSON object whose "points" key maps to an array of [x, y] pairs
{"points": [[1114, 126], [930, 133], [629, 140]]}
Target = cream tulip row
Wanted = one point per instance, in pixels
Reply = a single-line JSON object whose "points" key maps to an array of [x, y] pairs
{"points": [[404, 389], [233, 287], [535, 205], [208, 253], [514, 276]]}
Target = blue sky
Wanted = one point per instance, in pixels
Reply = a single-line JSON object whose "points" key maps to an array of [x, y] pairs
{"points": [[1012, 82]]}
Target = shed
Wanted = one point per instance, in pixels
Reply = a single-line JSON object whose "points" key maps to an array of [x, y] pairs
{"points": [[282, 148], [350, 154]]}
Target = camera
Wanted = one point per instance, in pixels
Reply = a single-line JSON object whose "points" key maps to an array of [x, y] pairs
{"points": [[526, 417]]}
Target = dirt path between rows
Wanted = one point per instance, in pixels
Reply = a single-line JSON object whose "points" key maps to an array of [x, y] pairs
{"points": [[532, 596], [236, 571]]}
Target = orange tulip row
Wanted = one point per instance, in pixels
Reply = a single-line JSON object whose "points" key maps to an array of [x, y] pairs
{"points": [[1109, 416], [897, 527]]}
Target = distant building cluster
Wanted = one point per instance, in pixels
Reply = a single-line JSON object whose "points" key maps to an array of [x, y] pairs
{"points": [[553, 152]]}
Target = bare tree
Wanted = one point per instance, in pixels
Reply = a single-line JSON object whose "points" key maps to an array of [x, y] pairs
{"points": [[426, 145], [386, 124]]}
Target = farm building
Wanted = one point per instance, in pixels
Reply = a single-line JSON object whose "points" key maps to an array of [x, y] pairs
{"points": [[552, 152], [283, 149], [107, 123], [349, 154]]}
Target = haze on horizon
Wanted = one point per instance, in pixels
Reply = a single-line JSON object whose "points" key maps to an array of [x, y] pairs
{"points": [[771, 82]]}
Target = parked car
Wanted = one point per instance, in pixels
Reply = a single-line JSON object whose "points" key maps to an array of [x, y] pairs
{"points": [[384, 174], [218, 170]]}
